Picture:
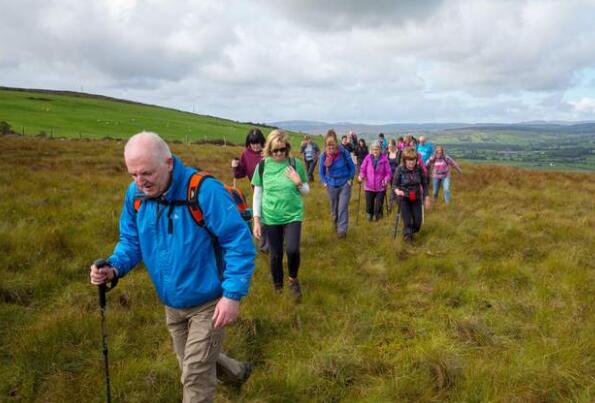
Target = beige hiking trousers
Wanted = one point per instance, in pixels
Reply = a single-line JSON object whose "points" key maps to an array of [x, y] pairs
{"points": [[197, 346]]}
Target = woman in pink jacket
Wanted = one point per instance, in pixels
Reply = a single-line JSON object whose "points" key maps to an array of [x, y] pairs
{"points": [[375, 170]]}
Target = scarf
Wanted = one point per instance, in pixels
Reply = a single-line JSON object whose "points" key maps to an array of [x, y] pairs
{"points": [[330, 158]]}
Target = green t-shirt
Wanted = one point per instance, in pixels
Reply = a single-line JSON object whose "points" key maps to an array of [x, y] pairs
{"points": [[282, 201]]}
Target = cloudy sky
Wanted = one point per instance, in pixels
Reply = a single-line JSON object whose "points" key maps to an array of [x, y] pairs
{"points": [[268, 60]]}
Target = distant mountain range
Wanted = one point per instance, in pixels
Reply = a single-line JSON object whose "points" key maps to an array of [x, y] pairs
{"points": [[315, 127]]}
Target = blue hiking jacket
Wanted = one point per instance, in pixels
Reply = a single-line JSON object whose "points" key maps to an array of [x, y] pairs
{"points": [[182, 264], [426, 150], [339, 172]]}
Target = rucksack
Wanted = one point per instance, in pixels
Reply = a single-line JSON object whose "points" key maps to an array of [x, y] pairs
{"points": [[261, 168], [191, 201]]}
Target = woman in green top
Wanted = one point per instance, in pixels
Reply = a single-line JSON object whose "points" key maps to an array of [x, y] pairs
{"points": [[279, 183]]}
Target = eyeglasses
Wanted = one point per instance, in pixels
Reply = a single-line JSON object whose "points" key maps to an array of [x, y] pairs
{"points": [[281, 150]]}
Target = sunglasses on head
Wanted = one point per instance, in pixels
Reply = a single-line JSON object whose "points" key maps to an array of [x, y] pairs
{"points": [[282, 150]]}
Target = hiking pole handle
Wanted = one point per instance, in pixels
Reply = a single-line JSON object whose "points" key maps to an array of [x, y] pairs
{"points": [[102, 288]]}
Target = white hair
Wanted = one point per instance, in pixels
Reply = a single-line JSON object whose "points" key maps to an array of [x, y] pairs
{"points": [[148, 142]]}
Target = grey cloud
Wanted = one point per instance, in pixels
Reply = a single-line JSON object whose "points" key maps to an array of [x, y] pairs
{"points": [[345, 14]]}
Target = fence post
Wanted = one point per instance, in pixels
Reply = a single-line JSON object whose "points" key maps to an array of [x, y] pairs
{"points": [[224, 142]]}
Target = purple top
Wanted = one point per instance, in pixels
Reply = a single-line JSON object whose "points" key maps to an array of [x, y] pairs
{"points": [[375, 178], [248, 162], [441, 166]]}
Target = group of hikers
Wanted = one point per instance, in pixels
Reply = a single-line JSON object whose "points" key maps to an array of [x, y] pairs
{"points": [[189, 231]]}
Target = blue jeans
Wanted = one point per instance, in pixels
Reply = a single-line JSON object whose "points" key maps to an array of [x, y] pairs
{"points": [[445, 183]]}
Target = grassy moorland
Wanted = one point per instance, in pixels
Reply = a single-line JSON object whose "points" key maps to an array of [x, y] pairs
{"points": [[494, 302]]}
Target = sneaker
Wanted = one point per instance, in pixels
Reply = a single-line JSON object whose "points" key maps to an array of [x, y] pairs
{"points": [[369, 217], [296, 290]]}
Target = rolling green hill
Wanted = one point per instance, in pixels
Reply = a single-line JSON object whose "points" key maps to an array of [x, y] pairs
{"points": [[69, 114]]}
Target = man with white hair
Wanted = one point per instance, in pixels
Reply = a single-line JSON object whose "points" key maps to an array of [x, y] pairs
{"points": [[426, 149], [200, 294]]}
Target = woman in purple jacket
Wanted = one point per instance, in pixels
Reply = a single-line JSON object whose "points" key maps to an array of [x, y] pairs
{"points": [[251, 155], [245, 166], [376, 172]]}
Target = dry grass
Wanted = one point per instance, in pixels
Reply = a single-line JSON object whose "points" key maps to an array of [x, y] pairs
{"points": [[493, 303]]}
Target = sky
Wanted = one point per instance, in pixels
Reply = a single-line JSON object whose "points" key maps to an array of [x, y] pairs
{"points": [[358, 61]]}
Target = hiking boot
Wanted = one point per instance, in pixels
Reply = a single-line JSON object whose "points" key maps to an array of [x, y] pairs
{"points": [[342, 235], [369, 217], [245, 373], [296, 290], [278, 288]]}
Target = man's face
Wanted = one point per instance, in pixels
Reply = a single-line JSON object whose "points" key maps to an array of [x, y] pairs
{"points": [[344, 140], [422, 140], [151, 175]]}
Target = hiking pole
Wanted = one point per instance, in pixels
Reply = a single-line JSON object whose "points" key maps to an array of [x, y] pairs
{"points": [[386, 203], [359, 198], [398, 218], [103, 289]]}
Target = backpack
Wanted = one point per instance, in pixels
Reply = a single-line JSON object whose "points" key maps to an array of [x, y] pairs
{"points": [[261, 168], [191, 201], [194, 183]]}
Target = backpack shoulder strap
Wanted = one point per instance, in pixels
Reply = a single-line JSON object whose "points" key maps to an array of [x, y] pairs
{"points": [[292, 162], [261, 169], [194, 183]]}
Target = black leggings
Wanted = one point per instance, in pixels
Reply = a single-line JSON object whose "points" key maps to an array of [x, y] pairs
{"points": [[411, 215], [374, 203], [278, 236]]}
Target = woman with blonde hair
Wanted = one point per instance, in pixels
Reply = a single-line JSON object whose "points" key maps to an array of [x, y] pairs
{"points": [[336, 170], [279, 182], [410, 185]]}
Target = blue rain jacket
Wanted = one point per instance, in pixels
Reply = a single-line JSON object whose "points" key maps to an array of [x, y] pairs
{"points": [[341, 170], [182, 264]]}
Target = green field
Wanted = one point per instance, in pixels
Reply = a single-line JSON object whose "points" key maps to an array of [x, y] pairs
{"points": [[535, 149], [494, 303], [87, 116]]}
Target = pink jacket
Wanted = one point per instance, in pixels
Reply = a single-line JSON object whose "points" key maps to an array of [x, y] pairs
{"points": [[375, 179]]}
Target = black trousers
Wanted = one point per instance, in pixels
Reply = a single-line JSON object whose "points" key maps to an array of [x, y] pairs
{"points": [[411, 216], [374, 203], [310, 166], [288, 236]]}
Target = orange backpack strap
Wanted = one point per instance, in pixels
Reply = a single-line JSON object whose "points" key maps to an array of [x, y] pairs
{"points": [[194, 184], [238, 198], [136, 204]]}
